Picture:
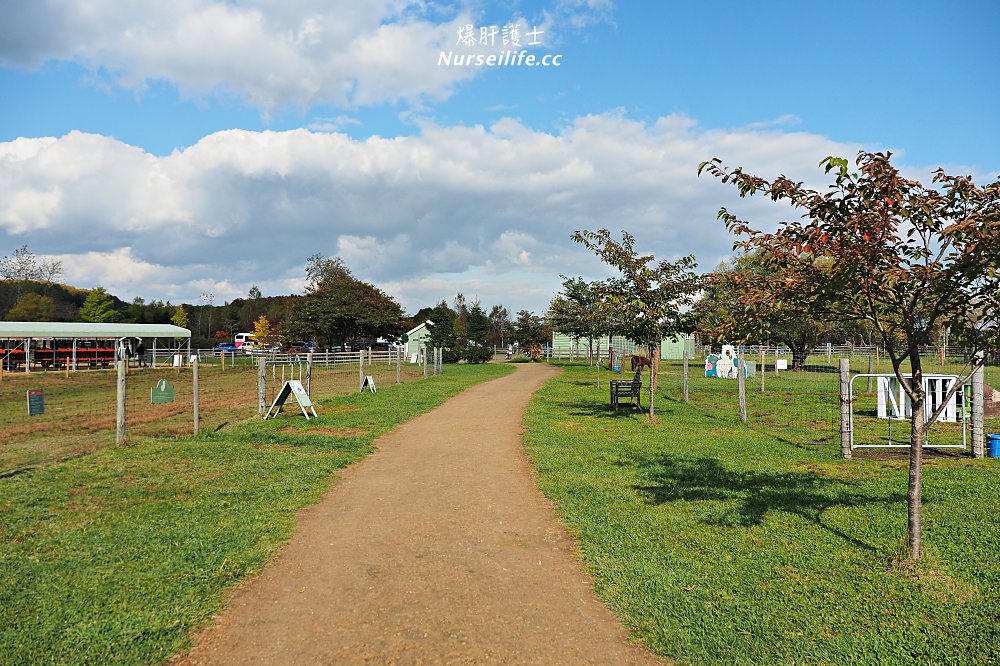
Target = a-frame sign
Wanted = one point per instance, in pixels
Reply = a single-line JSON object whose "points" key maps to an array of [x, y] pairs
{"points": [[292, 387]]}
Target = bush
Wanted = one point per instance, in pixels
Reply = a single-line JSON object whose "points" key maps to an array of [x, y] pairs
{"points": [[477, 354]]}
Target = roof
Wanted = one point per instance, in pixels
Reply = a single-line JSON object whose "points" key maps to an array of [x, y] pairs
{"points": [[52, 329], [418, 327]]}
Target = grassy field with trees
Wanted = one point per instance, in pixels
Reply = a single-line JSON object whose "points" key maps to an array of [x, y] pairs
{"points": [[719, 543], [114, 558]]}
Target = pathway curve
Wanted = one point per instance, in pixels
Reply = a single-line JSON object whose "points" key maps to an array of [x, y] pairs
{"points": [[436, 549]]}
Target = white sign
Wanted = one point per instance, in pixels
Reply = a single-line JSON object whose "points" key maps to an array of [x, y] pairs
{"points": [[781, 364], [292, 387], [369, 382]]}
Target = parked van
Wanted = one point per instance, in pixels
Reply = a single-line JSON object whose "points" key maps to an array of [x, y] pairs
{"points": [[241, 339]]}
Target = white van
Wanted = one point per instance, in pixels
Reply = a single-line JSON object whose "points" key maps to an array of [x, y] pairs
{"points": [[241, 339]]}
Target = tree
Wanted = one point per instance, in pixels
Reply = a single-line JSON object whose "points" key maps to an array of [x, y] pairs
{"points": [[527, 331], [574, 311], [180, 317], [347, 310], [321, 270], [442, 334], [20, 265], [499, 325], [263, 334], [880, 248], [478, 324], [33, 307], [99, 307], [50, 270], [730, 311], [647, 302]]}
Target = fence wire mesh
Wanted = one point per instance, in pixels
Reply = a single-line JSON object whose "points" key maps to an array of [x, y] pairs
{"points": [[801, 405], [80, 408]]}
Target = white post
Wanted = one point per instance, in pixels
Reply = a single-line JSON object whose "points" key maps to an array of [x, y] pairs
{"points": [[399, 365], [845, 408], [977, 413], [741, 383], [194, 392], [120, 415], [361, 367], [153, 364], [685, 381]]}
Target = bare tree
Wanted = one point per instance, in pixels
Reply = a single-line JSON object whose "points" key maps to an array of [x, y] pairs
{"points": [[21, 265], [50, 269]]}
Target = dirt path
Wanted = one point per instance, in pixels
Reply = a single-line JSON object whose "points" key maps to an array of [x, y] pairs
{"points": [[437, 549]]}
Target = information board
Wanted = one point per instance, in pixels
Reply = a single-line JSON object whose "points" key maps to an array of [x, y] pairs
{"points": [[162, 393], [292, 387], [36, 402], [369, 382]]}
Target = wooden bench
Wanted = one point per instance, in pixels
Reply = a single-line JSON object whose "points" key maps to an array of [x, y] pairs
{"points": [[627, 389]]}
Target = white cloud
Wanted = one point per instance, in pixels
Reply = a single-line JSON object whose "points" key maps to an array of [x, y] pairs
{"points": [[453, 208], [270, 54]]}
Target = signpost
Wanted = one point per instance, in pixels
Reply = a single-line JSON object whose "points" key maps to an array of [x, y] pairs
{"points": [[162, 393], [369, 381], [36, 402], [292, 387]]}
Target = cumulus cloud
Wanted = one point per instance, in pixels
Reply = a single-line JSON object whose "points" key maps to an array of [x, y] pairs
{"points": [[484, 210], [270, 54]]}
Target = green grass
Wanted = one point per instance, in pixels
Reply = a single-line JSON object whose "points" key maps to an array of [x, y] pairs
{"points": [[114, 558], [718, 543]]}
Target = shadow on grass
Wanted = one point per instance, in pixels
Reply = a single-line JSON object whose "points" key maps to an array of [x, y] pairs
{"points": [[754, 494]]}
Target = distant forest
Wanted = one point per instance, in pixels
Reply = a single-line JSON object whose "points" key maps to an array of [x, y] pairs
{"points": [[205, 321]]}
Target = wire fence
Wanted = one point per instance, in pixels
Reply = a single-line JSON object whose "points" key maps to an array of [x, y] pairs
{"points": [[802, 405], [75, 413]]}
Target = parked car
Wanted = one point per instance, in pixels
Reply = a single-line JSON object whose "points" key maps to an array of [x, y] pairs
{"points": [[301, 347], [225, 347]]}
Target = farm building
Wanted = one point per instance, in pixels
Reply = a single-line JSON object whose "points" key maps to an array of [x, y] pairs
{"points": [[564, 346], [416, 339], [71, 345]]}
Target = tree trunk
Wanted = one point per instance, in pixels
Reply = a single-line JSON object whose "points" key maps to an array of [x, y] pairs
{"points": [[799, 354], [654, 368], [913, 507], [913, 492]]}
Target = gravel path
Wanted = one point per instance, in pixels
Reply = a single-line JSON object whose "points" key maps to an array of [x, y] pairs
{"points": [[437, 549]]}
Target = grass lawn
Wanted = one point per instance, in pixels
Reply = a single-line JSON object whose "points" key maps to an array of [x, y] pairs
{"points": [[719, 543], [114, 558]]}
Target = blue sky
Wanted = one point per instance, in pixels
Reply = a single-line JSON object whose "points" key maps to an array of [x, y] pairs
{"points": [[160, 151]]}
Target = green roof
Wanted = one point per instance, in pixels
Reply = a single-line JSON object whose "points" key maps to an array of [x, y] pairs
{"points": [[68, 330]]}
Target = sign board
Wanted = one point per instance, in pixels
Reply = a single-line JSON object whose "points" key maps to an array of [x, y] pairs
{"points": [[292, 387], [406, 337], [413, 358], [162, 393], [369, 381], [781, 364], [36, 402]]}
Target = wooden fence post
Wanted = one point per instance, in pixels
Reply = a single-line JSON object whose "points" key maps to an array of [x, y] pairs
{"points": [[361, 367], [845, 408], [120, 414], [977, 413], [763, 359], [194, 392], [871, 370], [309, 373], [399, 365], [426, 350], [261, 385]]}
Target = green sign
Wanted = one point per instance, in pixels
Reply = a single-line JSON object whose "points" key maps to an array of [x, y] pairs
{"points": [[406, 338], [36, 402], [162, 393]]}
